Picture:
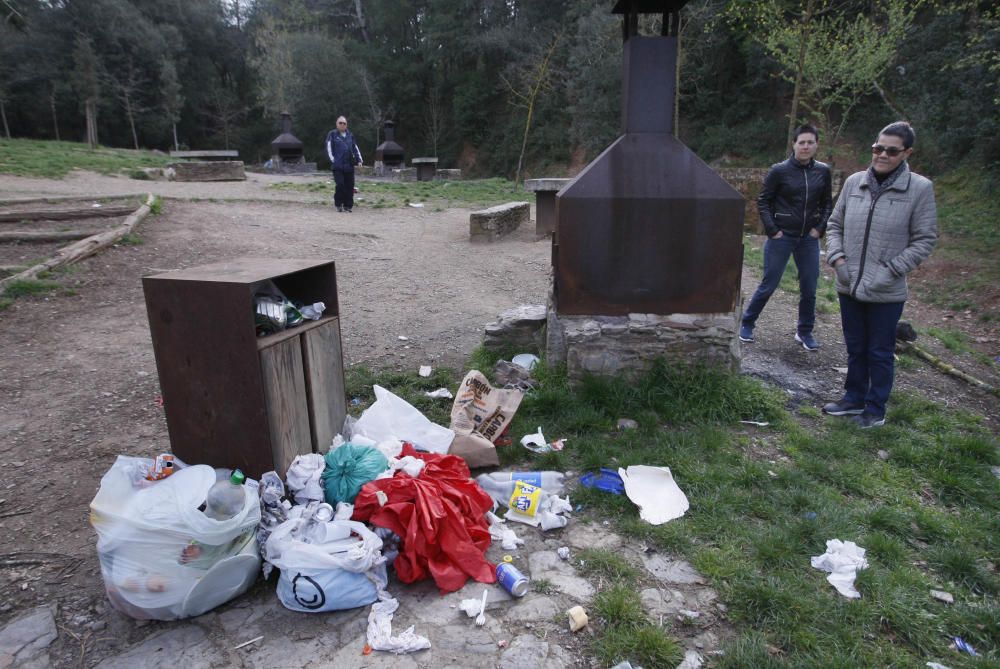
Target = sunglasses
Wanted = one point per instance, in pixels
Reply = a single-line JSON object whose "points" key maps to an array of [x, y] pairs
{"points": [[891, 151]]}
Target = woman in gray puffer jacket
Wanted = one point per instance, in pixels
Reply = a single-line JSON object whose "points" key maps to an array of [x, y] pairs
{"points": [[883, 226]]}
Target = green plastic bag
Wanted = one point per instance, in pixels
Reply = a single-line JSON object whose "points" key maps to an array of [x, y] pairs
{"points": [[347, 469]]}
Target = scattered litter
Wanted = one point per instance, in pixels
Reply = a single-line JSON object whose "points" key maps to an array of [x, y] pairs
{"points": [[392, 417], [512, 580], [689, 614], [772, 474], [692, 660], [626, 424], [607, 480], [625, 665], [964, 646], [96, 205], [348, 468], [526, 360], [758, 423], [417, 205], [883, 454], [513, 376], [577, 618], [937, 665], [655, 492], [479, 415], [314, 311], [425, 371], [942, 596], [843, 560], [247, 643], [303, 477], [996, 471], [809, 515], [469, 607], [440, 393], [842, 370], [481, 618], [502, 643], [402, 338], [506, 536], [536, 443], [563, 552], [380, 630]]}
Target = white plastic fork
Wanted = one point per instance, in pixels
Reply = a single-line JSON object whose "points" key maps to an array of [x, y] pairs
{"points": [[481, 618]]}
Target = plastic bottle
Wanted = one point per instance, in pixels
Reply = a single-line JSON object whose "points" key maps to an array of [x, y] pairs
{"points": [[551, 482], [227, 497]]}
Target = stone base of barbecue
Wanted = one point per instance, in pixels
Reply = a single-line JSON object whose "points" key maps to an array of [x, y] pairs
{"points": [[628, 345]]}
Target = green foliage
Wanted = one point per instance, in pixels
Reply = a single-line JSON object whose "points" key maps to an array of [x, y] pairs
{"points": [[31, 288], [33, 158]]}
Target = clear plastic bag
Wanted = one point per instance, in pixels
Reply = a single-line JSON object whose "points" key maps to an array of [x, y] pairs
{"points": [[161, 557]]}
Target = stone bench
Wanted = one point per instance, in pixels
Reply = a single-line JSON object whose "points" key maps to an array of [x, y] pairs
{"points": [[426, 168], [488, 225], [448, 175], [206, 155], [545, 202], [209, 170]]}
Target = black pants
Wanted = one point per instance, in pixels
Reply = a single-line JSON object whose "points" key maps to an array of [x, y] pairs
{"points": [[343, 196]]}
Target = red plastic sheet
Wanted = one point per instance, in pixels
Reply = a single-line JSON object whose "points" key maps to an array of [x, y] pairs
{"points": [[440, 517]]}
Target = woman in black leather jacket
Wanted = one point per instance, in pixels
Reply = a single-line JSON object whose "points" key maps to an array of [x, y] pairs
{"points": [[794, 205]]}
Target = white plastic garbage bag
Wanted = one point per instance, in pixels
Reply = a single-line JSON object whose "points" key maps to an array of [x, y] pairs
{"points": [[392, 417], [161, 558], [303, 477], [324, 567]]}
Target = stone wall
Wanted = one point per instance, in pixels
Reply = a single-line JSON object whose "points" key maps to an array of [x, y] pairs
{"points": [[491, 224], [616, 345]]}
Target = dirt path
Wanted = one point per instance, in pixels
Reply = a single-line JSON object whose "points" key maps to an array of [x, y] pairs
{"points": [[78, 381]]}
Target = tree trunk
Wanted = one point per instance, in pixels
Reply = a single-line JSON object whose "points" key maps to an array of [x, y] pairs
{"points": [[176, 145], [803, 49], [55, 119], [131, 122], [361, 21], [3, 115], [91, 110]]}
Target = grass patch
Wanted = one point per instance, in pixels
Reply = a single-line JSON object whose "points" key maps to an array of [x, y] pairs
{"points": [[434, 194], [602, 564], [5, 303], [31, 288], [131, 239], [156, 208], [41, 158]]}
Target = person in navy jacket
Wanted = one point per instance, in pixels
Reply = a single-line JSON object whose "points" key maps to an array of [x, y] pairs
{"points": [[344, 154]]}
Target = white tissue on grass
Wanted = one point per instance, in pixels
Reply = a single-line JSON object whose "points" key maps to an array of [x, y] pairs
{"points": [[537, 439], [843, 560], [440, 393], [692, 660], [655, 492], [424, 371], [380, 630]]}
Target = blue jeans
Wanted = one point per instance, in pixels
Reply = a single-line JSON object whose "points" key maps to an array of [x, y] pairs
{"points": [[805, 251], [870, 335]]}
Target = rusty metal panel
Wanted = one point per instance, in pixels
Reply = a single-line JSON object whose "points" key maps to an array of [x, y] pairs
{"points": [[647, 228]]}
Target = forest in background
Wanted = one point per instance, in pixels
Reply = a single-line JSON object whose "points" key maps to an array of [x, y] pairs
{"points": [[494, 85]]}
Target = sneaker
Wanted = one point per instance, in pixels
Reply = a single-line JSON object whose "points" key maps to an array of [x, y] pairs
{"points": [[808, 342], [339, 208], [348, 210], [868, 420], [843, 408], [746, 334]]}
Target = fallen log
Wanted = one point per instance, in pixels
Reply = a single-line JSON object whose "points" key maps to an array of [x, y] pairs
{"points": [[35, 237], [56, 199], [64, 214], [944, 366], [85, 247]]}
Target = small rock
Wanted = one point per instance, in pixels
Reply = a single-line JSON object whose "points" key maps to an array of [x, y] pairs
{"points": [[943, 596], [627, 424], [402, 338], [97, 625], [883, 455]]}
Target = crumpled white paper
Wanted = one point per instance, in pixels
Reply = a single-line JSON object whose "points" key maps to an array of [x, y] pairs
{"points": [[692, 660], [440, 393], [506, 536], [303, 477], [843, 560], [655, 492], [380, 630]]}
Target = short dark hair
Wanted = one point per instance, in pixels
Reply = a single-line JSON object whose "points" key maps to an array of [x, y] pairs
{"points": [[803, 129], [903, 130]]}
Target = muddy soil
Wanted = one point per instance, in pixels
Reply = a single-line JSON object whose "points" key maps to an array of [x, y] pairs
{"points": [[78, 382]]}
